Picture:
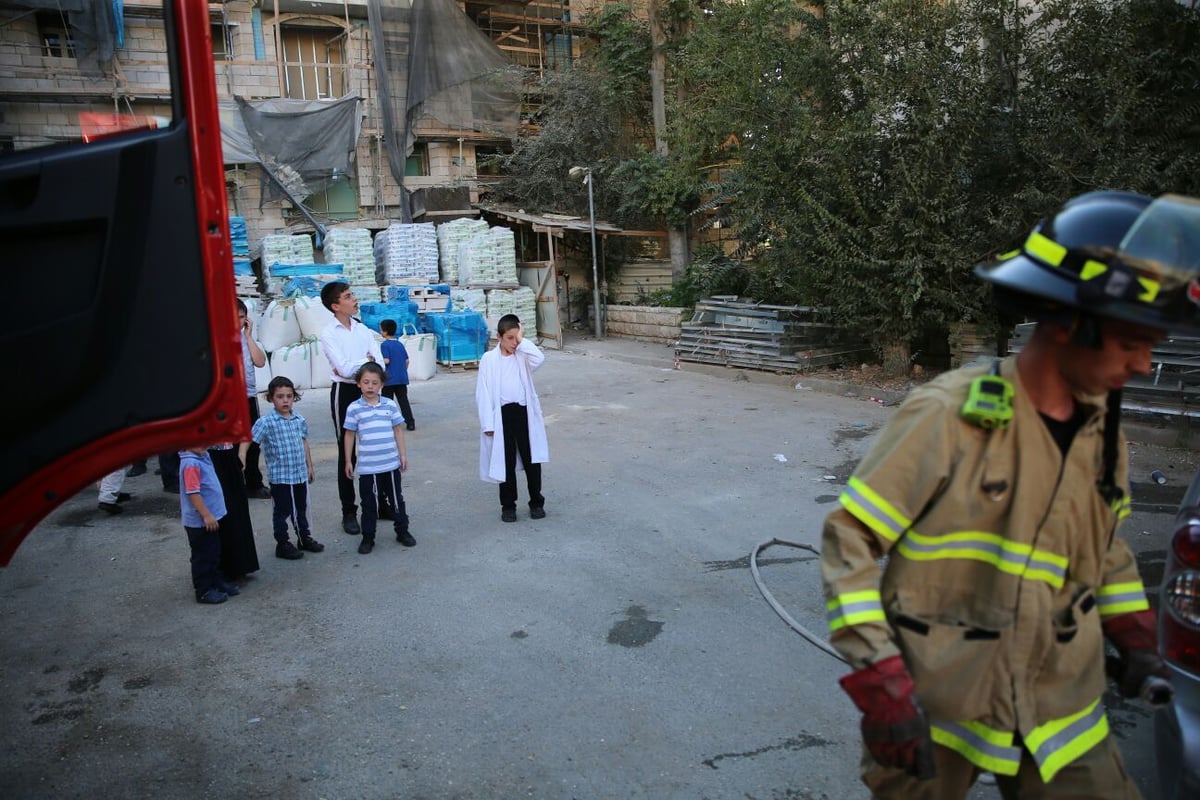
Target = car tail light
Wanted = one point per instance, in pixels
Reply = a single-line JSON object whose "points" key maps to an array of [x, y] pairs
{"points": [[1179, 615]]}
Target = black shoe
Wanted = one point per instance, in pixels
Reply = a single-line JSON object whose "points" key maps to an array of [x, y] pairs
{"points": [[508, 515], [135, 470], [287, 550], [258, 493], [366, 546], [350, 524], [212, 597], [109, 508], [405, 538], [412, 426], [537, 512], [124, 497], [310, 544], [228, 588]]}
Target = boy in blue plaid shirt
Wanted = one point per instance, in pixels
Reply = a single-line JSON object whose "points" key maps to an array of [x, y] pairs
{"points": [[283, 437]]}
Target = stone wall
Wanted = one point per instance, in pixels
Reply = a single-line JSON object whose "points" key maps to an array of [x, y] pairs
{"points": [[647, 323]]}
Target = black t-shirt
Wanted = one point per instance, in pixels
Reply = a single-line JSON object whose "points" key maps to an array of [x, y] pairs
{"points": [[1064, 431]]}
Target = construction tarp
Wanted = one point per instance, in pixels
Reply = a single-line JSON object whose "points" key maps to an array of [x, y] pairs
{"points": [[432, 61], [303, 143]]}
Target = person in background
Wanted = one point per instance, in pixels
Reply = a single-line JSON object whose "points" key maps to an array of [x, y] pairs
{"points": [[111, 495], [283, 436], [347, 344], [201, 507], [375, 422], [509, 410], [252, 357], [395, 358], [239, 556]]}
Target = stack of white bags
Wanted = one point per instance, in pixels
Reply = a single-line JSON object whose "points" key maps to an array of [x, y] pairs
{"points": [[450, 236], [411, 253], [353, 249], [284, 249], [489, 257], [521, 302], [288, 331]]}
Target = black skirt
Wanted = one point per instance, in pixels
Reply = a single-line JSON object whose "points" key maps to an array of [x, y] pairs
{"points": [[238, 554]]}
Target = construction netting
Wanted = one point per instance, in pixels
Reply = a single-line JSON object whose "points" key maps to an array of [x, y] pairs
{"points": [[301, 145], [95, 27], [432, 61]]}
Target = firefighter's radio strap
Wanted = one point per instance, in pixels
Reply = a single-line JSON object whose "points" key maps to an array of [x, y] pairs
{"points": [[989, 406]]}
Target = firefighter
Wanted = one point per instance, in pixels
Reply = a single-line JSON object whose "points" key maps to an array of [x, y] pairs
{"points": [[971, 569]]}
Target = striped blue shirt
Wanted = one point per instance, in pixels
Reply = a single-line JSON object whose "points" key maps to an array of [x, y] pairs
{"points": [[375, 425], [282, 442]]}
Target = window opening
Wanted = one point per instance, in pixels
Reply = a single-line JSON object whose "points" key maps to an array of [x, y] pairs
{"points": [[54, 32], [314, 62], [418, 163]]}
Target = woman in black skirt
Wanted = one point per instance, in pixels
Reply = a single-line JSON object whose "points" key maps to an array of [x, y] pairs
{"points": [[239, 557]]}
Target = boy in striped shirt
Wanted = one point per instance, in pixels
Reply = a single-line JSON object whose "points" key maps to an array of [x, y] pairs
{"points": [[378, 425]]}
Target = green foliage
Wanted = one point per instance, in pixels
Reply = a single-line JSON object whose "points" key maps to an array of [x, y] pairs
{"points": [[889, 146]]}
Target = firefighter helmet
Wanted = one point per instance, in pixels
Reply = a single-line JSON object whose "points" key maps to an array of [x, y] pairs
{"points": [[1112, 254]]}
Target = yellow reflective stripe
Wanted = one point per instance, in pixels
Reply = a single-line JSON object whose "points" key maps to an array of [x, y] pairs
{"points": [[1121, 598], [1013, 558], [984, 747], [1059, 742], [854, 608], [1045, 249], [1122, 506], [1151, 286], [872, 510], [1091, 269], [1008, 255]]}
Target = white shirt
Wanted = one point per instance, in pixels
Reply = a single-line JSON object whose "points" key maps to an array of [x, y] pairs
{"points": [[512, 390], [347, 348]]}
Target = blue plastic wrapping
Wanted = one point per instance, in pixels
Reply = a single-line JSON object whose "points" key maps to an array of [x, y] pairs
{"points": [[462, 335], [403, 311]]}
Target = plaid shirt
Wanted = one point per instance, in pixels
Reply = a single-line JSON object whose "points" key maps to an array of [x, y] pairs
{"points": [[282, 442]]}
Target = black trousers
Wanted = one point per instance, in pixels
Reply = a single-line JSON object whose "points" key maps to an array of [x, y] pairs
{"points": [[253, 475], [341, 395], [378, 491], [516, 440], [206, 559], [290, 504], [399, 393]]}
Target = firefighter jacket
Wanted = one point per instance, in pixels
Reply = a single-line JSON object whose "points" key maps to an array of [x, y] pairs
{"points": [[999, 562]]}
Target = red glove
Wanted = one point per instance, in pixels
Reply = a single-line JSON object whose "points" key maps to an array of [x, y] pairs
{"points": [[1139, 672], [894, 727]]}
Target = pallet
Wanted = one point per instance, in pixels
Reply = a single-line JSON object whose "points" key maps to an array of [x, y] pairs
{"points": [[459, 366]]}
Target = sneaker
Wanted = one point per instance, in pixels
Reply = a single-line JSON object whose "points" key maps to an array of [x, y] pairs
{"points": [[287, 550], [258, 493], [508, 515], [228, 588], [212, 597], [366, 546], [405, 538], [350, 524], [124, 497], [537, 512], [137, 469], [109, 508], [310, 544]]}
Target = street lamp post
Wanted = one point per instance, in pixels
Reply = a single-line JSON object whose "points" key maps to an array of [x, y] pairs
{"points": [[586, 172]]}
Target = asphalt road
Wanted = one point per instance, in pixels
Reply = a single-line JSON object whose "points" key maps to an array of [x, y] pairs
{"points": [[616, 649]]}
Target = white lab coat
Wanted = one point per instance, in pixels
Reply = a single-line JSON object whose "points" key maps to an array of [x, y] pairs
{"points": [[487, 399]]}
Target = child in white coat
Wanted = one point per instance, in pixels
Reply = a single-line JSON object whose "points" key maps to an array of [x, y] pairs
{"points": [[510, 413]]}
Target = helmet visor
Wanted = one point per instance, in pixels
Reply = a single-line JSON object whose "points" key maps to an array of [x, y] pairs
{"points": [[1163, 246]]}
